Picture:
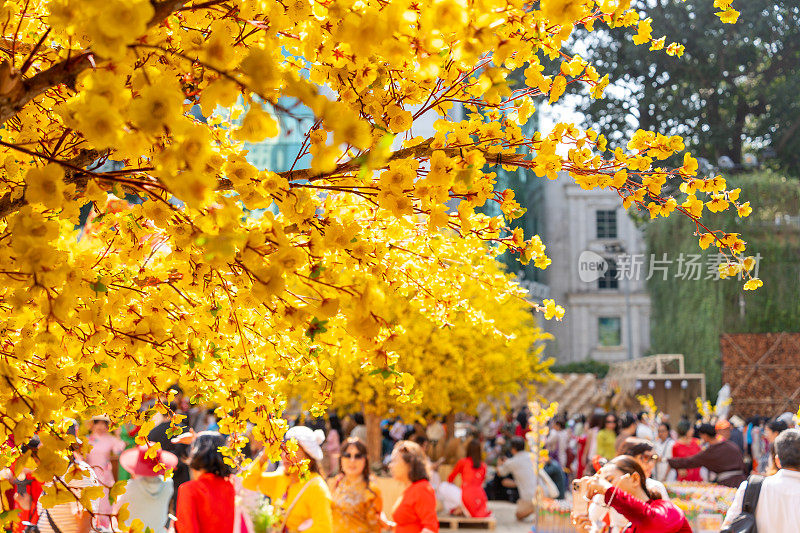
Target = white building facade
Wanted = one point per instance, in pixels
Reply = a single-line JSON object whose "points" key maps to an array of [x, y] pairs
{"points": [[607, 312]]}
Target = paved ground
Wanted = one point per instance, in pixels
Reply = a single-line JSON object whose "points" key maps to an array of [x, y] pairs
{"points": [[506, 523]]}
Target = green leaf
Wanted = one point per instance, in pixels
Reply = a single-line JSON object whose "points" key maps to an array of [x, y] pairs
{"points": [[130, 215], [174, 431], [386, 141], [316, 271], [316, 327], [7, 517]]}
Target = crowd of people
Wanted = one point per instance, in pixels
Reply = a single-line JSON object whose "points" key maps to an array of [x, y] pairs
{"points": [[620, 463], [325, 482], [722, 452]]}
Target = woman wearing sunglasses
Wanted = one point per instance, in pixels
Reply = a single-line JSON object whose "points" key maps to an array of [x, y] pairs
{"points": [[645, 454], [356, 501]]}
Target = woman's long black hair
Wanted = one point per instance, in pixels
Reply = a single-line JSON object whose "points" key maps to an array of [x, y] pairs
{"points": [[204, 454], [475, 452]]}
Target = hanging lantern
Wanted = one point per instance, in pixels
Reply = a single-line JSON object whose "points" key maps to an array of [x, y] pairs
{"points": [[651, 384], [638, 384], [668, 384], [684, 384]]}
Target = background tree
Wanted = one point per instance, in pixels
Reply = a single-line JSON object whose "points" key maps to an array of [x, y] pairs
{"points": [[489, 349], [733, 90], [691, 281]]}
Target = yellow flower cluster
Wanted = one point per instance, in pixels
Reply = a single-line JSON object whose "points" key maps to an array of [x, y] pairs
{"points": [[245, 284], [438, 362], [648, 404], [540, 416], [707, 411]]}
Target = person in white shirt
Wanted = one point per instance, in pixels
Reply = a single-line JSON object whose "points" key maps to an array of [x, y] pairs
{"points": [[558, 442], [147, 493], [778, 508], [521, 468], [398, 431], [663, 448], [643, 428], [435, 431], [360, 431]]}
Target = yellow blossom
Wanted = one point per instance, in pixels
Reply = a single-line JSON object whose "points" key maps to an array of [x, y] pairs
{"points": [[45, 185], [256, 126], [729, 16]]}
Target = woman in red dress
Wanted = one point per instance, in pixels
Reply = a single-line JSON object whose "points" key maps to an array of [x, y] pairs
{"points": [[415, 511], [621, 482], [473, 474], [206, 504], [686, 446]]}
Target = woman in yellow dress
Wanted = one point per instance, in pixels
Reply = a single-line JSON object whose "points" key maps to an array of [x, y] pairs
{"points": [[357, 502], [303, 498]]}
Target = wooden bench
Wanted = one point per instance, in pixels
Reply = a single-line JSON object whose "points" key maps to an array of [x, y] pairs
{"points": [[466, 522]]}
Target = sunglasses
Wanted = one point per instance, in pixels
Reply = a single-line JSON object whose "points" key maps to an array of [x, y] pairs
{"points": [[353, 455]]}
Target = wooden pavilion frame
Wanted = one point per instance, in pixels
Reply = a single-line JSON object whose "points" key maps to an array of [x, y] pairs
{"points": [[662, 375]]}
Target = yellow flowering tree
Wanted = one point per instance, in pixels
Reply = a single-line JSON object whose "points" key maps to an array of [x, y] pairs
{"points": [[488, 348], [224, 276]]}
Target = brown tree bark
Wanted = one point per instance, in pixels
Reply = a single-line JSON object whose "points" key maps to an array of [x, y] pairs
{"points": [[373, 423], [450, 425]]}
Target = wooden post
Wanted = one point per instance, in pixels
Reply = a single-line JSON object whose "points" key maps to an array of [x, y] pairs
{"points": [[374, 439]]}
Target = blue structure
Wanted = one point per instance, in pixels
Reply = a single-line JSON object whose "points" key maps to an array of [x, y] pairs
{"points": [[278, 154]]}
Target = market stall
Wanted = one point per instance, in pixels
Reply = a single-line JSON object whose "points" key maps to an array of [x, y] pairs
{"points": [[704, 504]]}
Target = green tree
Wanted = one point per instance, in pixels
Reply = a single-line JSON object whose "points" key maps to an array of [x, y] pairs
{"points": [[688, 314], [733, 91]]}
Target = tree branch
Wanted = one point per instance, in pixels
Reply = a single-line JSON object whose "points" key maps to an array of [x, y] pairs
{"points": [[73, 173], [19, 91], [421, 150], [787, 136]]}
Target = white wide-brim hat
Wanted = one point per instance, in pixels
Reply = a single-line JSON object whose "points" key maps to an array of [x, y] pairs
{"points": [[308, 439]]}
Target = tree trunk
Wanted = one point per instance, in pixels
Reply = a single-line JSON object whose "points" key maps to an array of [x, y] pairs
{"points": [[450, 424], [374, 440]]}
